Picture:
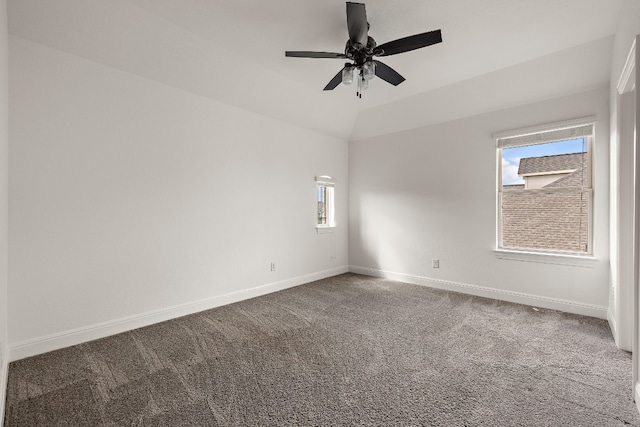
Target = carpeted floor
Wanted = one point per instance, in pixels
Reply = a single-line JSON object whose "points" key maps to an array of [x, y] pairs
{"points": [[350, 350]]}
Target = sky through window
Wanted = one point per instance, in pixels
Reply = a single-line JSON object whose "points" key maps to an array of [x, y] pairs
{"points": [[511, 156]]}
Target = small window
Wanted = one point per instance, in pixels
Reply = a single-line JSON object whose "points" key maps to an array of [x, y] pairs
{"points": [[325, 197], [545, 196]]}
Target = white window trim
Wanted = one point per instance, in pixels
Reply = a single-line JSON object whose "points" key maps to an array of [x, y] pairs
{"points": [[514, 138], [559, 258], [326, 180], [324, 229], [510, 138]]}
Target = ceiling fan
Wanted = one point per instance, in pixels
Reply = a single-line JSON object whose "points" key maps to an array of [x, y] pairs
{"points": [[361, 48]]}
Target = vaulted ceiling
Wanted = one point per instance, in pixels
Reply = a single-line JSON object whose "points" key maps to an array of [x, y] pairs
{"points": [[233, 51]]}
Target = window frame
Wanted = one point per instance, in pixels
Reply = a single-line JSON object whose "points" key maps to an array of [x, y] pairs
{"points": [[552, 132], [329, 184]]}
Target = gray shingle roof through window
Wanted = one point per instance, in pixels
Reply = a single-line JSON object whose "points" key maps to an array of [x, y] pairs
{"points": [[577, 178], [558, 162]]}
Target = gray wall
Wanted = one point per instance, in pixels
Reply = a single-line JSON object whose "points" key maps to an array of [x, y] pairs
{"points": [[430, 193], [131, 199], [4, 143]]}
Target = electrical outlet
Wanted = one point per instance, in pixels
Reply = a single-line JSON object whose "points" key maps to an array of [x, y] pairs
{"points": [[273, 266], [435, 263]]}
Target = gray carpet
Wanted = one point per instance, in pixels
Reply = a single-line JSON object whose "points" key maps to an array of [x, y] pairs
{"points": [[350, 350]]}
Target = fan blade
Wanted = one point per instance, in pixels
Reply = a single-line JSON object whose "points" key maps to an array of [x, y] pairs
{"points": [[388, 74], [357, 23], [407, 44], [335, 81], [305, 54]]}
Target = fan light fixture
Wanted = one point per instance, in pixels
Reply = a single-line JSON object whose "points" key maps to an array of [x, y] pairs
{"points": [[361, 49], [366, 72], [369, 70], [347, 74]]}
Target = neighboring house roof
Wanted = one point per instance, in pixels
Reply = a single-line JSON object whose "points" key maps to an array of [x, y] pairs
{"points": [[546, 164], [575, 179], [548, 220], [513, 187]]}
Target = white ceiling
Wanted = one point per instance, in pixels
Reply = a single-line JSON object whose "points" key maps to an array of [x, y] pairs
{"points": [[233, 51]]}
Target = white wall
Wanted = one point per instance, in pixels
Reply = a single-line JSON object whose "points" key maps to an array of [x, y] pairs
{"points": [[123, 35], [531, 81], [129, 197], [620, 302], [430, 192], [4, 145]]}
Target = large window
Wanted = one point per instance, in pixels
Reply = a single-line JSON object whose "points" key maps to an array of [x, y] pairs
{"points": [[325, 196], [545, 195]]}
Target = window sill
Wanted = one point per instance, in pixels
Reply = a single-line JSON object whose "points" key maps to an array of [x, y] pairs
{"points": [[547, 258], [323, 229]]}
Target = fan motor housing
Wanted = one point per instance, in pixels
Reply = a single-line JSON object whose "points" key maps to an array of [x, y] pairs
{"points": [[358, 53], [362, 48]]}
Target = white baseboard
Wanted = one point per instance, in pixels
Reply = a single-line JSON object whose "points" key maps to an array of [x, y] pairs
{"points": [[636, 395], [47, 343], [499, 294]]}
